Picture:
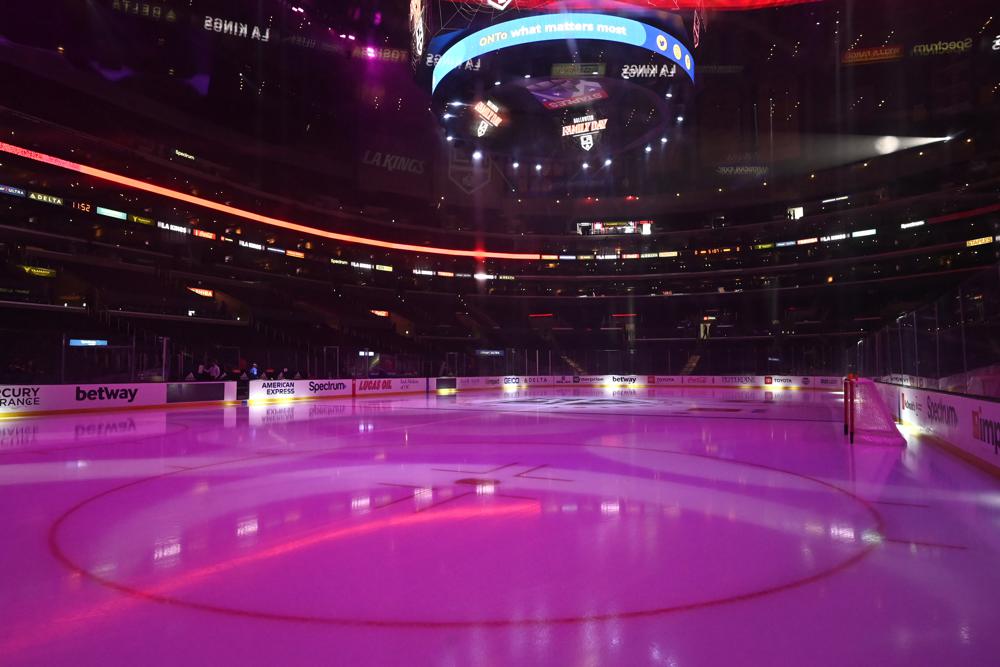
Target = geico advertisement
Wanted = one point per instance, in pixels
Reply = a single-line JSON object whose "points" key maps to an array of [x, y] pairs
{"points": [[969, 423], [285, 389], [37, 398]]}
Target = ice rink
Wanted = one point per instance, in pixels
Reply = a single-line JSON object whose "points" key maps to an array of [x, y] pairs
{"points": [[678, 527]]}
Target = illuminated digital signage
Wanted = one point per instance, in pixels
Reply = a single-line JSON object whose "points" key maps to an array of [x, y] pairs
{"points": [[236, 29], [88, 342], [48, 199], [11, 190], [148, 10], [472, 65], [649, 71], [177, 195], [418, 30], [643, 227], [562, 93], [567, 70], [586, 129], [112, 213], [875, 55], [584, 125], [489, 117], [562, 26], [942, 48], [38, 271], [385, 55]]}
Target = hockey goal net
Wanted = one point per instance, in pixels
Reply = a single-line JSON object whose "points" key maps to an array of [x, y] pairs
{"points": [[866, 418]]}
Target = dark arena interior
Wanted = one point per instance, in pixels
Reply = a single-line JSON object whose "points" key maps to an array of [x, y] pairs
{"points": [[500, 332]]}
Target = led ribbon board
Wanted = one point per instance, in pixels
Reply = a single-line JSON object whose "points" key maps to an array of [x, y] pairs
{"points": [[177, 195], [534, 29]]}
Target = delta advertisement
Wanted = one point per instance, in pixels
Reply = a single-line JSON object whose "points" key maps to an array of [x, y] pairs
{"points": [[970, 424]]}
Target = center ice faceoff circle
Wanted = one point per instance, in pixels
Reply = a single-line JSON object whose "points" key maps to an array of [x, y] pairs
{"points": [[539, 537]]}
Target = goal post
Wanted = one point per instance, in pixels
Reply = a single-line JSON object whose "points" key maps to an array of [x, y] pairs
{"points": [[866, 417]]}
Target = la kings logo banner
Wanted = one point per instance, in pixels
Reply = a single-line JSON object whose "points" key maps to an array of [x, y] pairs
{"points": [[468, 175]]}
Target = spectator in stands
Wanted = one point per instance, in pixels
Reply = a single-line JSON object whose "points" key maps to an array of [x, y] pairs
{"points": [[214, 371], [253, 372]]}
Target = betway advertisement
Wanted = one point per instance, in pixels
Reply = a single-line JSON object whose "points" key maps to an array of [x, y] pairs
{"points": [[58, 397], [968, 423], [611, 380]]}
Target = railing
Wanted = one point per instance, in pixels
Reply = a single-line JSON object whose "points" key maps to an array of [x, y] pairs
{"points": [[951, 343]]}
